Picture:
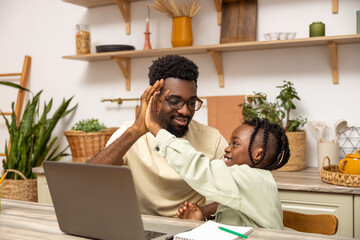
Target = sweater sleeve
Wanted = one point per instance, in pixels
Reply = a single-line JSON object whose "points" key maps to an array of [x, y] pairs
{"points": [[213, 179]]}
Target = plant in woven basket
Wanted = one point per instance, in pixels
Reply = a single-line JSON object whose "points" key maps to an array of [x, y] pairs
{"points": [[278, 111], [31, 141], [86, 138], [89, 125]]}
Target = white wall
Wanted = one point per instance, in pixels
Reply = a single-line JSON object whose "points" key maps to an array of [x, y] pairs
{"points": [[45, 30]]}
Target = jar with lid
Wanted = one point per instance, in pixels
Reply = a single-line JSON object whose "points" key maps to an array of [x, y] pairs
{"points": [[317, 29], [83, 42]]}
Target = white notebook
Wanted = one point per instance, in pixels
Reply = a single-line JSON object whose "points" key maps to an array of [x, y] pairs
{"points": [[210, 231]]}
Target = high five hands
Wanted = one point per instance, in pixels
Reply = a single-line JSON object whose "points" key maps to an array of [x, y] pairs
{"points": [[139, 124], [152, 122]]}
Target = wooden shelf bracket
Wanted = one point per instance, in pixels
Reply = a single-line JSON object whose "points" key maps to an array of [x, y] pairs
{"points": [[218, 4], [335, 6], [124, 7], [334, 61], [125, 66], [218, 61]]}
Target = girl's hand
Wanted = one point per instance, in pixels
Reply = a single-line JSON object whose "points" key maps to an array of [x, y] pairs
{"points": [[190, 211], [151, 117], [139, 123]]}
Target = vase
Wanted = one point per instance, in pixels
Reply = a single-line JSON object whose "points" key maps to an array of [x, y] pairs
{"points": [[181, 32]]}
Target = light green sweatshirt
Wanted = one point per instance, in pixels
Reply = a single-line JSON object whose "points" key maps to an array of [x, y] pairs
{"points": [[246, 196]]}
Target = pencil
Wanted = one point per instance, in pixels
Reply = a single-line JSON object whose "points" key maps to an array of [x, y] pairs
{"points": [[232, 232]]}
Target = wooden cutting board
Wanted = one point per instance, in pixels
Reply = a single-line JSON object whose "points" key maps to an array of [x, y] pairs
{"points": [[238, 21]]}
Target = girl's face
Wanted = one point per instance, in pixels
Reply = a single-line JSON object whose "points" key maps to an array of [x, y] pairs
{"points": [[238, 150]]}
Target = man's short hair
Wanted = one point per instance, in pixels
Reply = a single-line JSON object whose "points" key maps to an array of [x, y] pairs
{"points": [[174, 66]]}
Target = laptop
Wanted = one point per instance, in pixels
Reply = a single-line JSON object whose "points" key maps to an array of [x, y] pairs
{"points": [[99, 201]]}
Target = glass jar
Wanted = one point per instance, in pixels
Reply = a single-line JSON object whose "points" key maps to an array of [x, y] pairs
{"points": [[83, 43]]}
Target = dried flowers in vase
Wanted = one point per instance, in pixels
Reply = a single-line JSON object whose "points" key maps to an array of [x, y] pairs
{"points": [[181, 13], [174, 9]]}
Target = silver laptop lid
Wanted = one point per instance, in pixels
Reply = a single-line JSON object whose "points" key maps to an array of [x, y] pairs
{"points": [[96, 201]]}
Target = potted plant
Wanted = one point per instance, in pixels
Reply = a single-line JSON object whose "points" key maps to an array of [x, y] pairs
{"points": [[86, 138], [31, 144], [280, 112]]}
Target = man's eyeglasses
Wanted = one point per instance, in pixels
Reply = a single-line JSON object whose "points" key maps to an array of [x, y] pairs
{"points": [[177, 103]]}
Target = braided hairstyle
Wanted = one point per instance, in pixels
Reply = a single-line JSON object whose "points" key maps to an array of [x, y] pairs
{"points": [[272, 138], [174, 66]]}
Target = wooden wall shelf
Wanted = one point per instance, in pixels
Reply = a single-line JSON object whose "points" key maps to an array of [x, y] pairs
{"points": [[215, 51], [124, 7]]}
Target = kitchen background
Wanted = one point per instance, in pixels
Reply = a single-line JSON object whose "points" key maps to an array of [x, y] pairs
{"points": [[45, 30]]}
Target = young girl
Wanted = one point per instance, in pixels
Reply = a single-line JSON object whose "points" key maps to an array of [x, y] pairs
{"points": [[242, 185]]}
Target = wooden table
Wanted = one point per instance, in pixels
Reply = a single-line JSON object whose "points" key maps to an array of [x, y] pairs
{"points": [[28, 220]]}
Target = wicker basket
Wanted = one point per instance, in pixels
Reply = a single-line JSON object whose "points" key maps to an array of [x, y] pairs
{"points": [[331, 174], [25, 190], [297, 145], [85, 145]]}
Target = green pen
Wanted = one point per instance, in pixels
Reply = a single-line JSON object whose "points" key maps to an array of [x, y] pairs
{"points": [[232, 232]]}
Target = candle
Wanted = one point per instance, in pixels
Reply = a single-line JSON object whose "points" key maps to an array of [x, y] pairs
{"points": [[147, 19]]}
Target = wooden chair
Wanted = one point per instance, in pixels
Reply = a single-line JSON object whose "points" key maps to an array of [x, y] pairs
{"points": [[311, 223], [24, 76]]}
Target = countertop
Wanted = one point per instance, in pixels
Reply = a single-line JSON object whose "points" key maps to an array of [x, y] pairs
{"points": [[305, 180], [309, 180]]}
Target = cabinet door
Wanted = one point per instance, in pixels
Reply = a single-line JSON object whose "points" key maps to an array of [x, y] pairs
{"points": [[357, 216], [43, 189], [340, 205]]}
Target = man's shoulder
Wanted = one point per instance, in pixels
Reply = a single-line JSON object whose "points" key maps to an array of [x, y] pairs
{"points": [[195, 126]]}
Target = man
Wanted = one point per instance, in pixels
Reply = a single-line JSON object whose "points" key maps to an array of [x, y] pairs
{"points": [[159, 188]]}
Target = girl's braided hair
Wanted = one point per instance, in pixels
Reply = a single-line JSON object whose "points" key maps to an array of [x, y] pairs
{"points": [[272, 138]]}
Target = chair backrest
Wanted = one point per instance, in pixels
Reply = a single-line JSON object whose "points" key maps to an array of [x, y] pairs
{"points": [[311, 223], [23, 79]]}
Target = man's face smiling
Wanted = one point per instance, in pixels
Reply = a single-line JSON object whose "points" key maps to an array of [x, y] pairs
{"points": [[177, 121]]}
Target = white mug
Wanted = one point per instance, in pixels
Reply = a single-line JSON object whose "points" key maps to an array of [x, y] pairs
{"points": [[330, 149]]}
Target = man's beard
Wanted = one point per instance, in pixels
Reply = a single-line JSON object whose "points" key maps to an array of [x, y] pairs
{"points": [[166, 123], [177, 132]]}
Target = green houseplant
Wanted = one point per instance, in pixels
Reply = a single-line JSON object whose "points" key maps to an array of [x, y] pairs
{"points": [[87, 137], [31, 141], [31, 144], [279, 112]]}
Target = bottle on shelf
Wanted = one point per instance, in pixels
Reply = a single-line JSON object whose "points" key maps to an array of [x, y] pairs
{"points": [[83, 41]]}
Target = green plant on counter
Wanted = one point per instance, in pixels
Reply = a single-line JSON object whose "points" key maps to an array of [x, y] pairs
{"points": [[31, 141], [278, 111], [89, 125]]}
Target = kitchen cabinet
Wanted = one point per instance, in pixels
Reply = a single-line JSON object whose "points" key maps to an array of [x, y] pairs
{"points": [[216, 52], [340, 205], [304, 192]]}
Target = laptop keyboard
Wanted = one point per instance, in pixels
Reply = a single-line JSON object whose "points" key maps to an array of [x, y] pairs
{"points": [[152, 234]]}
